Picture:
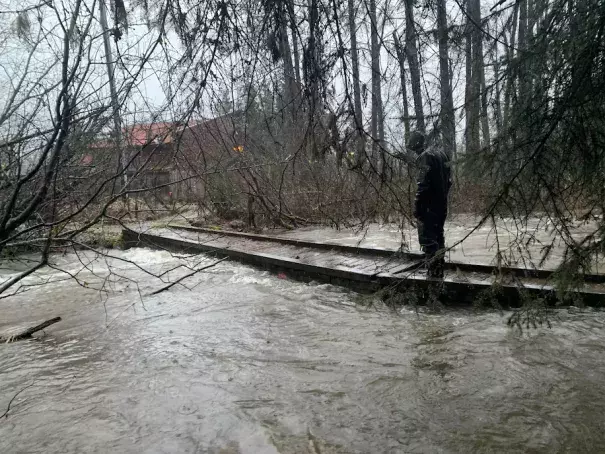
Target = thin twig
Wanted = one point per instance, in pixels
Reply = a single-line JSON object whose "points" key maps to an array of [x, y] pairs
{"points": [[5, 414], [187, 276]]}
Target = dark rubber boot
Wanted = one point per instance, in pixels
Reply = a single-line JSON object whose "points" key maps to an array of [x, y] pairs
{"points": [[436, 267]]}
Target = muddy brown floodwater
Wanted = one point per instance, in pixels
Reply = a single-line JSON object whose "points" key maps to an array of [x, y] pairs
{"points": [[245, 362]]}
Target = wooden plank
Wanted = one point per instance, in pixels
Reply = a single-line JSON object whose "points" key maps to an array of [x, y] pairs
{"points": [[462, 289], [302, 243], [373, 267], [405, 267], [383, 252], [133, 238], [358, 263], [329, 261]]}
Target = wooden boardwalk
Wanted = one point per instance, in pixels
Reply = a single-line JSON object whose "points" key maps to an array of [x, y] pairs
{"points": [[363, 269]]}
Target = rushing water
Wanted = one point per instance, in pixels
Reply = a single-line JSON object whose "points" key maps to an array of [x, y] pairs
{"points": [[243, 361], [518, 245]]}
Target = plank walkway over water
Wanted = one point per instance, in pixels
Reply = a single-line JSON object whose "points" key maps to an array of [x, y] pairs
{"points": [[360, 268]]}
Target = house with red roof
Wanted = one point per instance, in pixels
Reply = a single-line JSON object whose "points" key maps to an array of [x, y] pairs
{"points": [[173, 160]]}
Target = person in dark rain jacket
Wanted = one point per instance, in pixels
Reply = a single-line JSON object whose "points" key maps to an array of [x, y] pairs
{"points": [[434, 182]]}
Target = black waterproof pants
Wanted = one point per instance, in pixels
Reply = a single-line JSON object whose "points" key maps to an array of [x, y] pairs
{"points": [[432, 240]]}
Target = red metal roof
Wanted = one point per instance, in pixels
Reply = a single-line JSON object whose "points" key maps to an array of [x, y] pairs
{"points": [[150, 133], [142, 134]]}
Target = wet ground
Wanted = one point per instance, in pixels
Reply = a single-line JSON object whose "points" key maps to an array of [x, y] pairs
{"points": [[242, 361]]}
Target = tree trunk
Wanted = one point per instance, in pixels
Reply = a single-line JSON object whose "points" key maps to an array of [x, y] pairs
{"points": [[376, 125], [404, 92], [448, 125], [479, 85], [293, 30], [290, 109], [523, 88], [498, 94], [357, 112], [509, 89], [532, 11], [521, 103], [471, 104], [312, 76], [289, 76], [412, 53]]}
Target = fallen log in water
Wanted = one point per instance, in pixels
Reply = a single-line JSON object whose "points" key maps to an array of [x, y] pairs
{"points": [[27, 332]]}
